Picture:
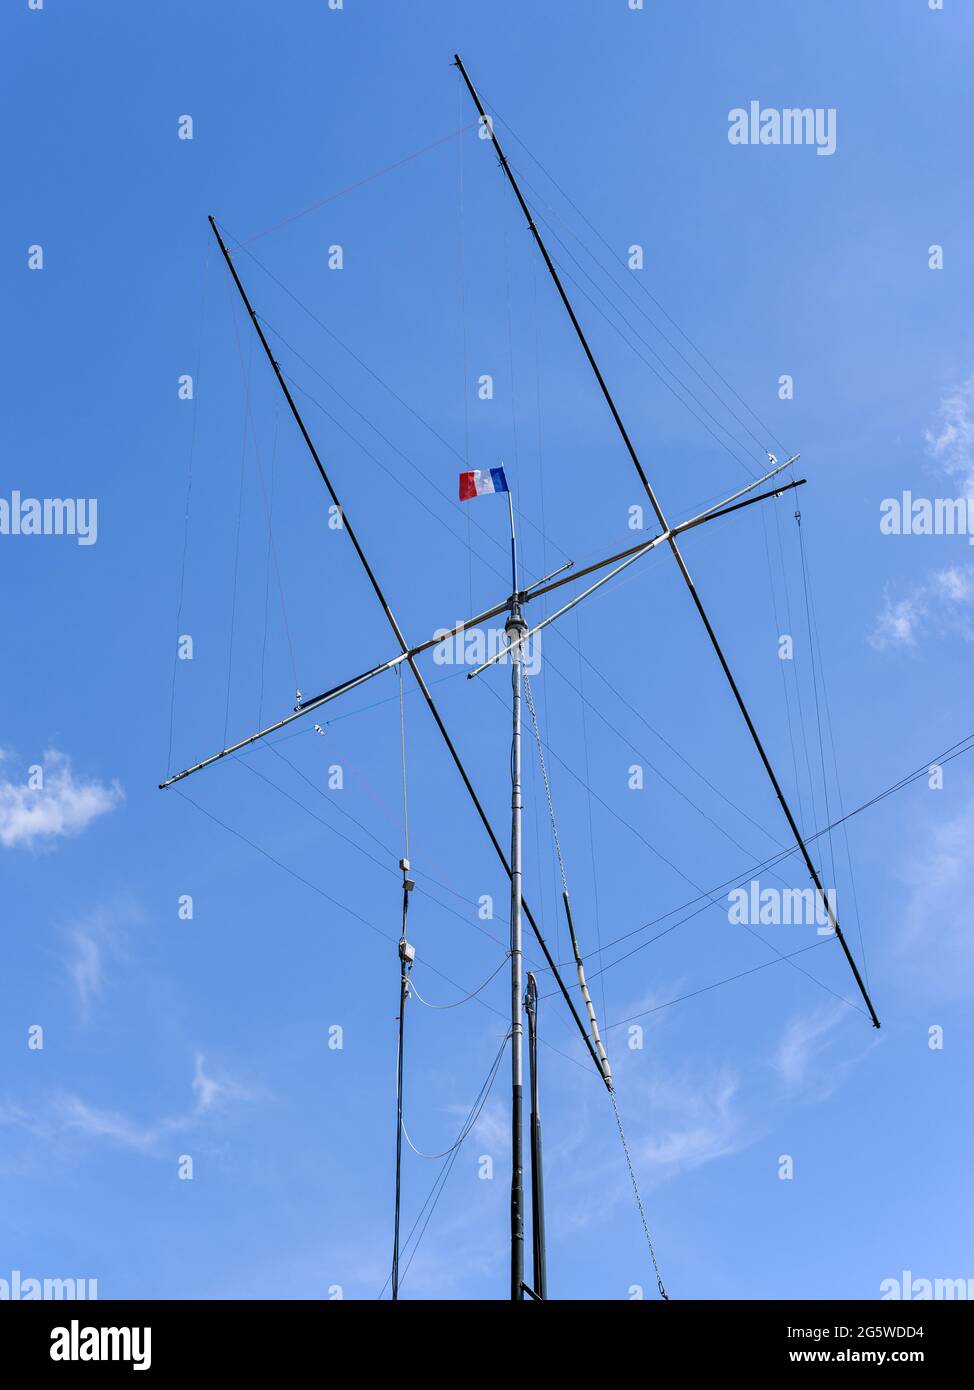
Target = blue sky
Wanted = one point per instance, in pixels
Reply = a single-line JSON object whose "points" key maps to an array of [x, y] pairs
{"points": [[209, 1038]]}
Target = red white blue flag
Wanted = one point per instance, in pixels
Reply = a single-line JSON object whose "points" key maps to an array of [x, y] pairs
{"points": [[482, 481]]}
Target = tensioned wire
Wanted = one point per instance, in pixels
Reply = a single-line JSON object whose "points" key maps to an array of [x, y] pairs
{"points": [[317, 403], [399, 673], [714, 902], [359, 183], [965, 745], [335, 902], [625, 286], [439, 1182], [188, 503], [376, 377], [647, 293], [753, 436], [948, 754], [625, 579], [962, 746], [329, 384], [240, 498], [328, 413]]}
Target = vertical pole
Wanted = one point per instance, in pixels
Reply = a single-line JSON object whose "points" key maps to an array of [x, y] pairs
{"points": [[406, 956], [540, 1282], [515, 628]]}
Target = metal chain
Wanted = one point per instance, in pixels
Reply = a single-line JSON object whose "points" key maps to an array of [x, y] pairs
{"points": [[639, 1201]]}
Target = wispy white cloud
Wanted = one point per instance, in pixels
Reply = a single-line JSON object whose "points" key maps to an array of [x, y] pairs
{"points": [[212, 1092], [803, 1058], [70, 1113], [85, 968], [113, 1126], [93, 942], [40, 810], [934, 927], [492, 1131], [694, 1124], [941, 605], [950, 441]]}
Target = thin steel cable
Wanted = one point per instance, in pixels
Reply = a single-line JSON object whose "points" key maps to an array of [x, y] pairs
{"points": [[567, 275], [334, 805], [621, 285], [267, 498], [778, 632], [392, 473], [574, 647], [464, 336], [335, 831], [583, 1067], [359, 183], [591, 819], [705, 989], [240, 499], [719, 906], [579, 964], [815, 681], [439, 1181], [836, 776], [639, 1201], [267, 572], [546, 605], [955, 751], [624, 287], [605, 242], [372, 373], [405, 796], [663, 367], [189, 498]]}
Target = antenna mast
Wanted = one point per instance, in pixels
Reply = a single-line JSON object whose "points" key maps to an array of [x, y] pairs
{"points": [[518, 634], [515, 630]]}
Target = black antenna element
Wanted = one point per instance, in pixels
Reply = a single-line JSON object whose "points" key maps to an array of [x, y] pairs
{"points": [[404, 648], [792, 824], [537, 1181]]}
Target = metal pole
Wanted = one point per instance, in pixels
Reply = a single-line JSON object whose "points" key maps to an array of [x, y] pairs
{"points": [[537, 1181], [677, 555], [407, 955], [516, 626]]}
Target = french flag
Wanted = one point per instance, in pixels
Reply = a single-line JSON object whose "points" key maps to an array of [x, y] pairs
{"points": [[481, 481]]}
